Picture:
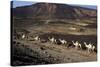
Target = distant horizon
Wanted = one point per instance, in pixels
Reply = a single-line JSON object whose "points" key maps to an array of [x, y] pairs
{"points": [[26, 3]]}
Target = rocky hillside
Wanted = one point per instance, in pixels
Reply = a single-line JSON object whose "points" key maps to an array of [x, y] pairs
{"points": [[53, 11]]}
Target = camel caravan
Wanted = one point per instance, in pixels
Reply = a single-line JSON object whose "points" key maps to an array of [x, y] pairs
{"points": [[90, 47]]}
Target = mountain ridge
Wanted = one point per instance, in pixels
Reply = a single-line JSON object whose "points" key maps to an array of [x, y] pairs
{"points": [[54, 11]]}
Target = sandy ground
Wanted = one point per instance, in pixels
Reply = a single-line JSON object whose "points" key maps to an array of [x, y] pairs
{"points": [[51, 53], [29, 52]]}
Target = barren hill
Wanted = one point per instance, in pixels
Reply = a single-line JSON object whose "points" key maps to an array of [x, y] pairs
{"points": [[53, 11]]}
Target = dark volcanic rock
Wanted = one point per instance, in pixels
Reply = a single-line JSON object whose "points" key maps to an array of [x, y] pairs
{"points": [[53, 11]]}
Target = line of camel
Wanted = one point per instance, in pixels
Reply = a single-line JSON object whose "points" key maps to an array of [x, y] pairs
{"points": [[89, 47]]}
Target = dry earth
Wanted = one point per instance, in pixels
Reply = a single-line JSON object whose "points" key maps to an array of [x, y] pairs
{"points": [[28, 52]]}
